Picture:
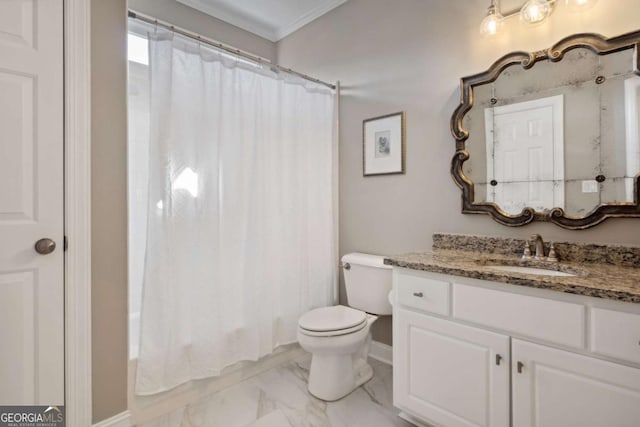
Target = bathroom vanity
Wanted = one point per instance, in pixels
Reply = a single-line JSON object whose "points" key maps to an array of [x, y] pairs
{"points": [[483, 337], [478, 342]]}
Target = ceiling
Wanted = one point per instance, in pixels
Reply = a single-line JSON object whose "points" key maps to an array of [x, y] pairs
{"points": [[271, 19]]}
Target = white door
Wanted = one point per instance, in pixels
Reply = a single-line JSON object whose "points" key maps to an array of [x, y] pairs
{"points": [[31, 202], [558, 388], [525, 154], [449, 374]]}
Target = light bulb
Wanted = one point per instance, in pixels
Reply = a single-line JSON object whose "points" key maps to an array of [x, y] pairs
{"points": [[535, 11], [579, 5], [491, 23]]}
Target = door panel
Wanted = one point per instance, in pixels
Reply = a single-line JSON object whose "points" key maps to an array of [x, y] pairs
{"points": [[17, 112], [31, 202], [448, 373], [17, 22], [17, 309], [559, 388], [519, 137]]}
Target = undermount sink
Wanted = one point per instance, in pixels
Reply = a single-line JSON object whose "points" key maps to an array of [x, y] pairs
{"points": [[531, 270], [532, 267]]}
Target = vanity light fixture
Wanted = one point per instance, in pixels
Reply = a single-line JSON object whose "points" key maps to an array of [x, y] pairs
{"points": [[492, 22], [536, 11], [532, 12]]}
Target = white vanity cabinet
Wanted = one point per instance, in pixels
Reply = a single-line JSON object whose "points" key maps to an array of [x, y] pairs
{"points": [[451, 374], [471, 353], [558, 388]]}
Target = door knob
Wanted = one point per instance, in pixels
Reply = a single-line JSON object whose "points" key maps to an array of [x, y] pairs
{"points": [[45, 246]]}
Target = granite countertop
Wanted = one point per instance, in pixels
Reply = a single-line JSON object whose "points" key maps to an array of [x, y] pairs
{"points": [[600, 280]]}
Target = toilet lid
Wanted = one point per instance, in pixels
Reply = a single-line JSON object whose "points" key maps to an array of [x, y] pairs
{"points": [[333, 333], [334, 318]]}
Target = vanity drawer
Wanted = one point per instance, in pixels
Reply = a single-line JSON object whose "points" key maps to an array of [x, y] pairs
{"points": [[615, 334], [423, 293], [554, 321]]}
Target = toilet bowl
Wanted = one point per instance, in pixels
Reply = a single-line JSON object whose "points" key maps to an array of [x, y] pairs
{"points": [[339, 337]]}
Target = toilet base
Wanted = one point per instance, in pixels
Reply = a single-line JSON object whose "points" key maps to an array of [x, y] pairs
{"points": [[351, 376], [365, 373], [338, 363]]}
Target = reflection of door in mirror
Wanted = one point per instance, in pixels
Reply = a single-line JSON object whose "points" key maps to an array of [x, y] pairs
{"points": [[522, 157], [632, 127], [525, 154]]}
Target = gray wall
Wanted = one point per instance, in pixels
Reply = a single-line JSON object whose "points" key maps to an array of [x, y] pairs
{"points": [[206, 25], [109, 207], [409, 55]]}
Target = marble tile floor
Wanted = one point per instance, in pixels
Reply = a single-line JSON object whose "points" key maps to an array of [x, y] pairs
{"points": [[279, 398]]}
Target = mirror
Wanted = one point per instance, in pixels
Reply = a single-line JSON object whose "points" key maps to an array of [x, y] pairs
{"points": [[552, 135]]}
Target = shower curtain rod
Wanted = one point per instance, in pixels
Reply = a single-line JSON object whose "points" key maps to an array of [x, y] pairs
{"points": [[203, 39]]}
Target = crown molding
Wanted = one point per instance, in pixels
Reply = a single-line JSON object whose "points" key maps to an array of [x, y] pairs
{"points": [[234, 19], [258, 28], [306, 18]]}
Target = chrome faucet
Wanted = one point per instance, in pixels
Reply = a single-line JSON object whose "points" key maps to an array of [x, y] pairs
{"points": [[539, 245]]}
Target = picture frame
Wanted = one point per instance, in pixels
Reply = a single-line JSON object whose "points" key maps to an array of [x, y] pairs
{"points": [[383, 145]]}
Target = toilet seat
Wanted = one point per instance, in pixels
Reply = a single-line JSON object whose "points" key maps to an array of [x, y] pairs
{"points": [[333, 333], [331, 321]]}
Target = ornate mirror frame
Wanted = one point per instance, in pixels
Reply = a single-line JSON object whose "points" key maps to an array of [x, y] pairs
{"points": [[594, 42]]}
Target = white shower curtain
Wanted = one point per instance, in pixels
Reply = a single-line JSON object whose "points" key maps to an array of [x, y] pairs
{"points": [[240, 224]]}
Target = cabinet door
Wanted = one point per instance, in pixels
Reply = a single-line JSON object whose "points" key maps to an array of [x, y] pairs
{"points": [[449, 374], [558, 388]]}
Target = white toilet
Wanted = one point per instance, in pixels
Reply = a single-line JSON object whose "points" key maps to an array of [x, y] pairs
{"points": [[339, 337]]}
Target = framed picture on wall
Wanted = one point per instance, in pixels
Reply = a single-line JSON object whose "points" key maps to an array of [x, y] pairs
{"points": [[383, 145]]}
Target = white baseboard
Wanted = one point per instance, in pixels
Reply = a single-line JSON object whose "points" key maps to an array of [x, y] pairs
{"points": [[381, 352], [413, 420], [122, 419]]}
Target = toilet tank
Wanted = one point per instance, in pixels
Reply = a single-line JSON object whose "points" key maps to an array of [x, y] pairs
{"points": [[367, 281]]}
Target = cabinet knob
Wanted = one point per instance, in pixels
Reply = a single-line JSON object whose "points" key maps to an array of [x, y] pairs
{"points": [[498, 359], [520, 367], [418, 294]]}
